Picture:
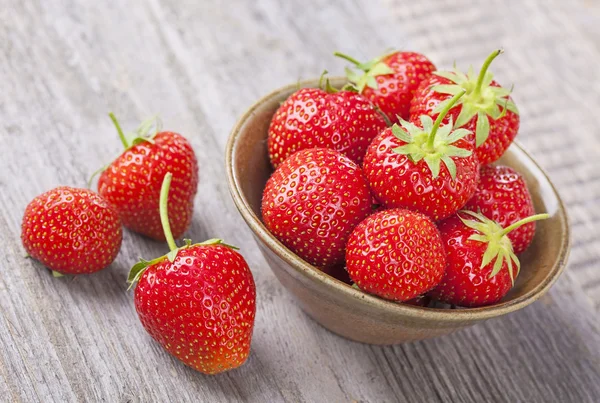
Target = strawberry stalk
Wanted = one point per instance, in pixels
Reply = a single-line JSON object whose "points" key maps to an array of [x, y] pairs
{"points": [[483, 71], [347, 58], [441, 116], [164, 210], [119, 130], [522, 222]]}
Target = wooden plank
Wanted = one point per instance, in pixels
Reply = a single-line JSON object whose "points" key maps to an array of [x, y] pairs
{"points": [[65, 64]]}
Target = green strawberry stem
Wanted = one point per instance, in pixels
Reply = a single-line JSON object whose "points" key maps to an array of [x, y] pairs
{"points": [[524, 221], [441, 116], [328, 88], [119, 130], [321, 78], [483, 71], [346, 57], [164, 211]]}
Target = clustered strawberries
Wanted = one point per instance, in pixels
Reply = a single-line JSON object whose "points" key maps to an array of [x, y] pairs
{"points": [[386, 184], [413, 211], [199, 300]]}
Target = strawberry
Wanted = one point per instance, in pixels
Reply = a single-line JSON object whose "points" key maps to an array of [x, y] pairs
{"points": [[313, 201], [391, 80], [502, 196], [71, 231], [396, 254], [486, 109], [198, 301], [427, 168], [132, 182], [482, 265], [312, 117]]}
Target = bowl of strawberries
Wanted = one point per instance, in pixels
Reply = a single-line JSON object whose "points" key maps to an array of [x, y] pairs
{"points": [[393, 203]]}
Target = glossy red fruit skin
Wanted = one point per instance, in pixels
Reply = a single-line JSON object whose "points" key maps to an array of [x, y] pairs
{"points": [[132, 184], [71, 230], [502, 131], [502, 196], [396, 254], [465, 283], [344, 121], [313, 201], [200, 307], [395, 91], [397, 182]]}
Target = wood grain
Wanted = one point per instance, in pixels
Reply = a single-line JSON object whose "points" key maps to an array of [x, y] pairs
{"points": [[64, 64]]}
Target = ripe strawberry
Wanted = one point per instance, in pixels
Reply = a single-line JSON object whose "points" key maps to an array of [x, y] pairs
{"points": [[396, 254], [481, 265], [132, 182], [502, 196], [71, 231], [198, 302], [487, 109], [403, 168], [391, 80], [313, 201], [312, 117]]}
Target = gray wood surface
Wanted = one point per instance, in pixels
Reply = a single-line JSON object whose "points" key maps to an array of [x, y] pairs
{"points": [[65, 63]]}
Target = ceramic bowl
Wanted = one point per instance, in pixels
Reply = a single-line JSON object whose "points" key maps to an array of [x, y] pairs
{"points": [[350, 312]]}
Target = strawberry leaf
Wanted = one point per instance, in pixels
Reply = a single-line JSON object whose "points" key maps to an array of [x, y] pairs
{"points": [[137, 270], [482, 130]]}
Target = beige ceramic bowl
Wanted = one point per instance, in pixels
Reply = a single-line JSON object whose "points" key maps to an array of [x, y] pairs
{"points": [[350, 312]]}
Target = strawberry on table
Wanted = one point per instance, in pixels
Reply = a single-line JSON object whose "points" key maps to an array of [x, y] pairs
{"points": [[427, 167], [396, 254], [132, 182], [487, 109], [313, 201], [198, 301], [313, 117], [71, 231], [482, 266], [502, 196], [391, 80]]}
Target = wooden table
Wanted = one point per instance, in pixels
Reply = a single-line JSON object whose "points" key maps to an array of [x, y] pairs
{"points": [[64, 64]]}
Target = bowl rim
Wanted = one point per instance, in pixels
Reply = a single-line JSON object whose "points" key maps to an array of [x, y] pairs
{"points": [[313, 274]]}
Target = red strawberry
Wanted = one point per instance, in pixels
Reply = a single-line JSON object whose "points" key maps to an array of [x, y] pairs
{"points": [[396, 254], [71, 231], [481, 263], [132, 182], [502, 196], [313, 201], [311, 117], [390, 81], [486, 109], [198, 302], [427, 168]]}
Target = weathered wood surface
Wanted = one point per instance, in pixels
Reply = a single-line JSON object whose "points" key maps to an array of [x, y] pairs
{"points": [[65, 63]]}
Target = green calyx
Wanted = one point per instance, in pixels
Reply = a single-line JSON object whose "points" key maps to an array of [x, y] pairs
{"points": [[146, 131], [481, 99], [499, 247], [368, 71], [138, 269], [433, 143], [325, 85]]}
